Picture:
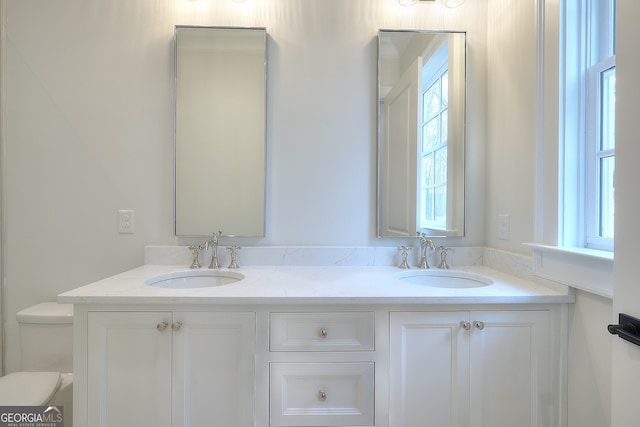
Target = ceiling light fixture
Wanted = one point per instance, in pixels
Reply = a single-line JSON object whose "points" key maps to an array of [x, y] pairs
{"points": [[452, 3], [447, 3]]}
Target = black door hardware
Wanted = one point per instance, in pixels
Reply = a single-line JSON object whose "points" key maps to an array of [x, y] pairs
{"points": [[628, 328]]}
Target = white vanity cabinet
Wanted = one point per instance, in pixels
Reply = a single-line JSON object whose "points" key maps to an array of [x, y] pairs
{"points": [[170, 369], [264, 365], [475, 368]]}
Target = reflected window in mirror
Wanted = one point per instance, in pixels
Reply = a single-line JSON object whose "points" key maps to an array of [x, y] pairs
{"points": [[421, 116], [433, 153]]}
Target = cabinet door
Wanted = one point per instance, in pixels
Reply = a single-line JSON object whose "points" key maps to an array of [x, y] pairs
{"points": [[129, 369], [429, 376], [213, 369], [510, 356]]}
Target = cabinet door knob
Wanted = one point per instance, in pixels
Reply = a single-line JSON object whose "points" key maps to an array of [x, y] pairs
{"points": [[322, 396], [478, 324], [465, 325], [175, 326], [322, 332], [162, 326]]}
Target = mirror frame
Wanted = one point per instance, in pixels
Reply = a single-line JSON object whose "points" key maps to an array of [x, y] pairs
{"points": [[411, 177], [215, 225]]}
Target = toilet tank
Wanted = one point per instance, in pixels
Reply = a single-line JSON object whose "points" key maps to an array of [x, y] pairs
{"points": [[46, 337]]}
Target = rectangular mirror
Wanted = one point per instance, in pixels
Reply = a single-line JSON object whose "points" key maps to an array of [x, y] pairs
{"points": [[421, 133], [220, 121]]}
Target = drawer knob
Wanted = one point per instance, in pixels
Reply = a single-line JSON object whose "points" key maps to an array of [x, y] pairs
{"points": [[322, 396], [478, 324], [465, 325], [162, 326], [322, 333], [175, 326]]}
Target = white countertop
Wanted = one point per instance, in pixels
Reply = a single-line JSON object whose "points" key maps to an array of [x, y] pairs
{"points": [[312, 285]]}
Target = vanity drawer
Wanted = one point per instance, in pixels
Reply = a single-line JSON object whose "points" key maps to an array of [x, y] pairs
{"points": [[322, 394], [349, 331]]}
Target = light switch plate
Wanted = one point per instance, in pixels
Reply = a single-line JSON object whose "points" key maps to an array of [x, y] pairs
{"points": [[503, 227]]}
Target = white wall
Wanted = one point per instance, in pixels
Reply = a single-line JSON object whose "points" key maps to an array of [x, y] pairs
{"points": [[589, 364], [511, 89], [89, 123]]}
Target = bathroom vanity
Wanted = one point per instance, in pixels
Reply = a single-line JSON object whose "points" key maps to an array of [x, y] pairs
{"points": [[318, 346]]}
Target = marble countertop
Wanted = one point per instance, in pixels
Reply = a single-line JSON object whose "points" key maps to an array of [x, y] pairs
{"points": [[318, 285]]}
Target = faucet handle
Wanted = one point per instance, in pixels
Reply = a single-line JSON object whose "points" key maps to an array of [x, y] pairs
{"points": [[443, 257], [195, 253], [404, 253], [233, 251]]}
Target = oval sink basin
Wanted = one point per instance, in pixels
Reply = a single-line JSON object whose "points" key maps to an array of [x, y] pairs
{"points": [[189, 279], [444, 279]]}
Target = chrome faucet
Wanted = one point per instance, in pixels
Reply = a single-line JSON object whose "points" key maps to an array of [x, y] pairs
{"points": [[212, 244], [424, 244]]}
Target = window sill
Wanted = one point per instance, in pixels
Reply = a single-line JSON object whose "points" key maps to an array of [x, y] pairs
{"points": [[589, 270]]}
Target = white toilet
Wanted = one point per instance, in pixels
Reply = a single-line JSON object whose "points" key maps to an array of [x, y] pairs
{"points": [[46, 344]]}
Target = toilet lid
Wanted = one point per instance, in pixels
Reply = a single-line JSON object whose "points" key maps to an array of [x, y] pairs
{"points": [[28, 388]]}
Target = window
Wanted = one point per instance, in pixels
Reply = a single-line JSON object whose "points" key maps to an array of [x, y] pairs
{"points": [[432, 208], [600, 138], [589, 136]]}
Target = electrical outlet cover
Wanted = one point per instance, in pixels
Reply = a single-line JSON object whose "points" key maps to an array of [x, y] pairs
{"points": [[125, 221]]}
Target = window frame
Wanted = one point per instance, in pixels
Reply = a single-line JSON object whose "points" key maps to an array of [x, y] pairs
{"points": [[559, 180], [587, 55], [435, 64], [438, 221], [594, 153]]}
